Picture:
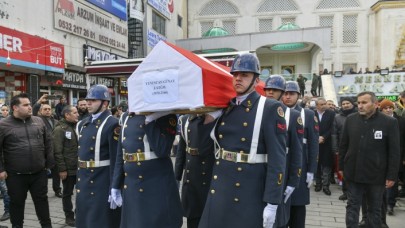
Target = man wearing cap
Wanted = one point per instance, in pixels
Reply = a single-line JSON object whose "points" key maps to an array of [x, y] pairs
{"points": [[98, 137], [347, 108], [247, 184], [300, 196], [274, 89], [368, 158]]}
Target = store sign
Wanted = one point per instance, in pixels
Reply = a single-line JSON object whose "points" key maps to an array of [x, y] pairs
{"points": [[154, 38], [115, 7], [30, 51], [95, 54], [74, 80], [165, 7], [381, 85], [78, 19], [109, 82], [136, 9]]}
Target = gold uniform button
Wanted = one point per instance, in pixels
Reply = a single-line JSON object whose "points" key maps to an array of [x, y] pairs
{"points": [[125, 126], [92, 182], [222, 123], [138, 150], [78, 179], [187, 171], [188, 181], [242, 139], [138, 163], [140, 138], [236, 200], [140, 126], [140, 176], [241, 151], [140, 190], [92, 170], [91, 148], [247, 109], [96, 126], [126, 174], [78, 147], [237, 184], [80, 136], [220, 136], [203, 173], [123, 138], [245, 124], [188, 130], [125, 186], [215, 177], [94, 137], [188, 160], [217, 162], [204, 183], [203, 163], [78, 190], [239, 169], [92, 193], [212, 191]]}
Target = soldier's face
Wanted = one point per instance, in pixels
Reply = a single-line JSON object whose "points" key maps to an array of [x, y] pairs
{"points": [[93, 105], [273, 93], [242, 80], [290, 98]]}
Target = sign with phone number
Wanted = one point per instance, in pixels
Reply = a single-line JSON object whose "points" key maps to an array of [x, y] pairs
{"points": [[81, 20]]}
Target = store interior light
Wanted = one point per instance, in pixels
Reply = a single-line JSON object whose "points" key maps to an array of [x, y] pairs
{"points": [[37, 60], [338, 73], [8, 59], [384, 71]]}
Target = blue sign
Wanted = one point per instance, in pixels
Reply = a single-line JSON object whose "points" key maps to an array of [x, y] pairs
{"points": [[2, 94], [154, 38], [115, 7]]}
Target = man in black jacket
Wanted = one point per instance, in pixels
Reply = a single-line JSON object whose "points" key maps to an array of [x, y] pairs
{"points": [[25, 153], [368, 158]]}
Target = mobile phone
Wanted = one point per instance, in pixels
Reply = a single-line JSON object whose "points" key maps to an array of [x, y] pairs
{"points": [[52, 97]]}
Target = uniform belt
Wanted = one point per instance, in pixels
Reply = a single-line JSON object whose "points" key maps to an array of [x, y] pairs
{"points": [[93, 164], [304, 140], [192, 151], [241, 157], [139, 156]]}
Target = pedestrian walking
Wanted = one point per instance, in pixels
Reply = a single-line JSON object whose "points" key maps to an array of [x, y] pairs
{"points": [[314, 84], [301, 82]]}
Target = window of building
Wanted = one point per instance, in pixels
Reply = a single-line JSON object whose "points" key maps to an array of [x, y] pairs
{"points": [[229, 26], [218, 7], [158, 23], [286, 20], [327, 21], [205, 26], [333, 4], [349, 29], [179, 21], [277, 6], [265, 25]]}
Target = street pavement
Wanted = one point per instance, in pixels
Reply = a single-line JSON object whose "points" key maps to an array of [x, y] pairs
{"points": [[324, 211]]}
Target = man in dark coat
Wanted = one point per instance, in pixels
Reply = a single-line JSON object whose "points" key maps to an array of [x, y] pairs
{"points": [[301, 82], [65, 150], [314, 84], [347, 108], [248, 175], [195, 156], [368, 158], [98, 139], [325, 161], [301, 195]]}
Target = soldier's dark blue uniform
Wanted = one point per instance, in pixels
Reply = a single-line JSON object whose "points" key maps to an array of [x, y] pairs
{"points": [[295, 134], [300, 196], [95, 174], [240, 190], [150, 194], [195, 155]]}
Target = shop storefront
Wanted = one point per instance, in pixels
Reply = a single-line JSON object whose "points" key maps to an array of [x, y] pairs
{"points": [[26, 62]]}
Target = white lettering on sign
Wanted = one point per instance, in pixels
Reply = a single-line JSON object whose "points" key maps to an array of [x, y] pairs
{"points": [[56, 55], [10, 43], [161, 86]]}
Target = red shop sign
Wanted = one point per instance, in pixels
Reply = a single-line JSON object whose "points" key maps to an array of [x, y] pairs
{"points": [[30, 51]]}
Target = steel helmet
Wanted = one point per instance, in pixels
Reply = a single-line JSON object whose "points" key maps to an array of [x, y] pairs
{"points": [[98, 92], [275, 82], [246, 63], [292, 86]]}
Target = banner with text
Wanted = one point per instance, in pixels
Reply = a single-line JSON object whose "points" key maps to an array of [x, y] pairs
{"points": [[78, 19], [165, 7], [154, 38]]}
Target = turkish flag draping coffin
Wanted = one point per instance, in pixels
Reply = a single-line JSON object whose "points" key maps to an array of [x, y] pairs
{"points": [[173, 79]]}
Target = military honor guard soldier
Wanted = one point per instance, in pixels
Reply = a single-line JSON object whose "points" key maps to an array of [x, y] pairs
{"points": [[300, 196], [274, 89], [144, 183], [247, 183], [195, 156], [98, 139]]}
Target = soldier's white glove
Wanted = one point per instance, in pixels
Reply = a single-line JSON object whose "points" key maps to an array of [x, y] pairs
{"points": [[156, 115], [215, 114], [310, 179], [116, 198], [269, 215], [287, 193]]}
